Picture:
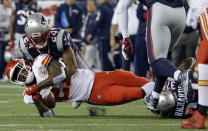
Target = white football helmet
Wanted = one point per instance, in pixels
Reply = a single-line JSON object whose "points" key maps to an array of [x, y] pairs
{"points": [[167, 101], [19, 72], [37, 30]]}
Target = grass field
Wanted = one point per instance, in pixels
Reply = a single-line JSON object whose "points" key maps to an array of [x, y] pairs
{"points": [[17, 116]]}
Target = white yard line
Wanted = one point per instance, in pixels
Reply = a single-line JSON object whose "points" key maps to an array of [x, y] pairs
{"points": [[109, 115], [4, 101], [10, 86], [11, 94], [82, 124]]}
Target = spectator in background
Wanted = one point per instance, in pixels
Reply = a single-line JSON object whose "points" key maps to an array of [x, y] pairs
{"points": [[186, 46], [91, 52], [102, 29], [5, 13], [132, 26], [69, 16], [20, 11]]}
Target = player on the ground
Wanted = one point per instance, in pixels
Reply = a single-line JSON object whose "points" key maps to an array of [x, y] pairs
{"points": [[198, 120], [102, 88], [165, 23]]}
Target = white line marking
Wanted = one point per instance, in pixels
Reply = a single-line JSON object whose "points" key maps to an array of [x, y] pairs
{"points": [[11, 86], [42, 130], [4, 101], [82, 124], [11, 94], [113, 115]]}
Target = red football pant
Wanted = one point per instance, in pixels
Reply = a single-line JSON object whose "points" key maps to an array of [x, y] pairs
{"points": [[116, 87]]}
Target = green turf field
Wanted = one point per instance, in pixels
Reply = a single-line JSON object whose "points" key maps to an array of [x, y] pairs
{"points": [[15, 115]]}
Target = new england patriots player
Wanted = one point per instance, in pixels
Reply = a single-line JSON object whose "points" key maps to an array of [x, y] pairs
{"points": [[165, 23], [39, 38], [87, 86], [20, 9]]}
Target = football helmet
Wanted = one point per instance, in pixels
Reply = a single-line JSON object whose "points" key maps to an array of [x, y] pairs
{"points": [[167, 101], [37, 30], [19, 72]]}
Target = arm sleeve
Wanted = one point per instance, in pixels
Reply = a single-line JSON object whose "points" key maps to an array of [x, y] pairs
{"points": [[122, 11]]}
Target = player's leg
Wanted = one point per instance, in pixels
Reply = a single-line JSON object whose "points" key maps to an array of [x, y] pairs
{"points": [[115, 94], [198, 119], [159, 41], [106, 91], [125, 78]]}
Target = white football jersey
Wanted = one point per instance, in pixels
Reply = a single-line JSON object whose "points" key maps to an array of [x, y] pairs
{"points": [[76, 89], [198, 6]]}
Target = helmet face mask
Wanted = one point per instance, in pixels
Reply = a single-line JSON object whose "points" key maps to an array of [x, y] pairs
{"points": [[19, 72], [37, 30]]}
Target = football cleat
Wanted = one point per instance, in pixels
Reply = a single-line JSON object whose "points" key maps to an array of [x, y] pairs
{"points": [[76, 104], [197, 121], [151, 103]]}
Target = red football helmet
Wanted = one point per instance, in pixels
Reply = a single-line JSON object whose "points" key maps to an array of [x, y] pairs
{"points": [[19, 72]]}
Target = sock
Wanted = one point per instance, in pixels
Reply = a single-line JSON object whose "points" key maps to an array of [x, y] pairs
{"points": [[159, 82], [203, 84], [176, 74], [163, 67], [148, 88], [203, 91]]}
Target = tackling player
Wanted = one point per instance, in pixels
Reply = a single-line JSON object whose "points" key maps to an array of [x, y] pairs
{"points": [[165, 23], [101, 88]]}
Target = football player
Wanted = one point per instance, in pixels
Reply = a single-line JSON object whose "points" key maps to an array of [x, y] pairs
{"points": [[39, 38], [101, 88], [172, 102], [165, 24]]}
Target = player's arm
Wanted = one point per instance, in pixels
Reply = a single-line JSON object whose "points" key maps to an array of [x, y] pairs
{"points": [[56, 74], [56, 71], [122, 11], [45, 105], [70, 62]]}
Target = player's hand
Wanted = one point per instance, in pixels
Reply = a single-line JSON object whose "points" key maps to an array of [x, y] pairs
{"points": [[36, 96], [31, 89], [127, 48]]}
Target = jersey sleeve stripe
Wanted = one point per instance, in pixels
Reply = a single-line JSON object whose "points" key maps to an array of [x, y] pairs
{"points": [[46, 60], [59, 42]]}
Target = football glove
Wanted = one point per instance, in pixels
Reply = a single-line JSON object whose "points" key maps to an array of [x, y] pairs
{"points": [[127, 48], [31, 89], [36, 96]]}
